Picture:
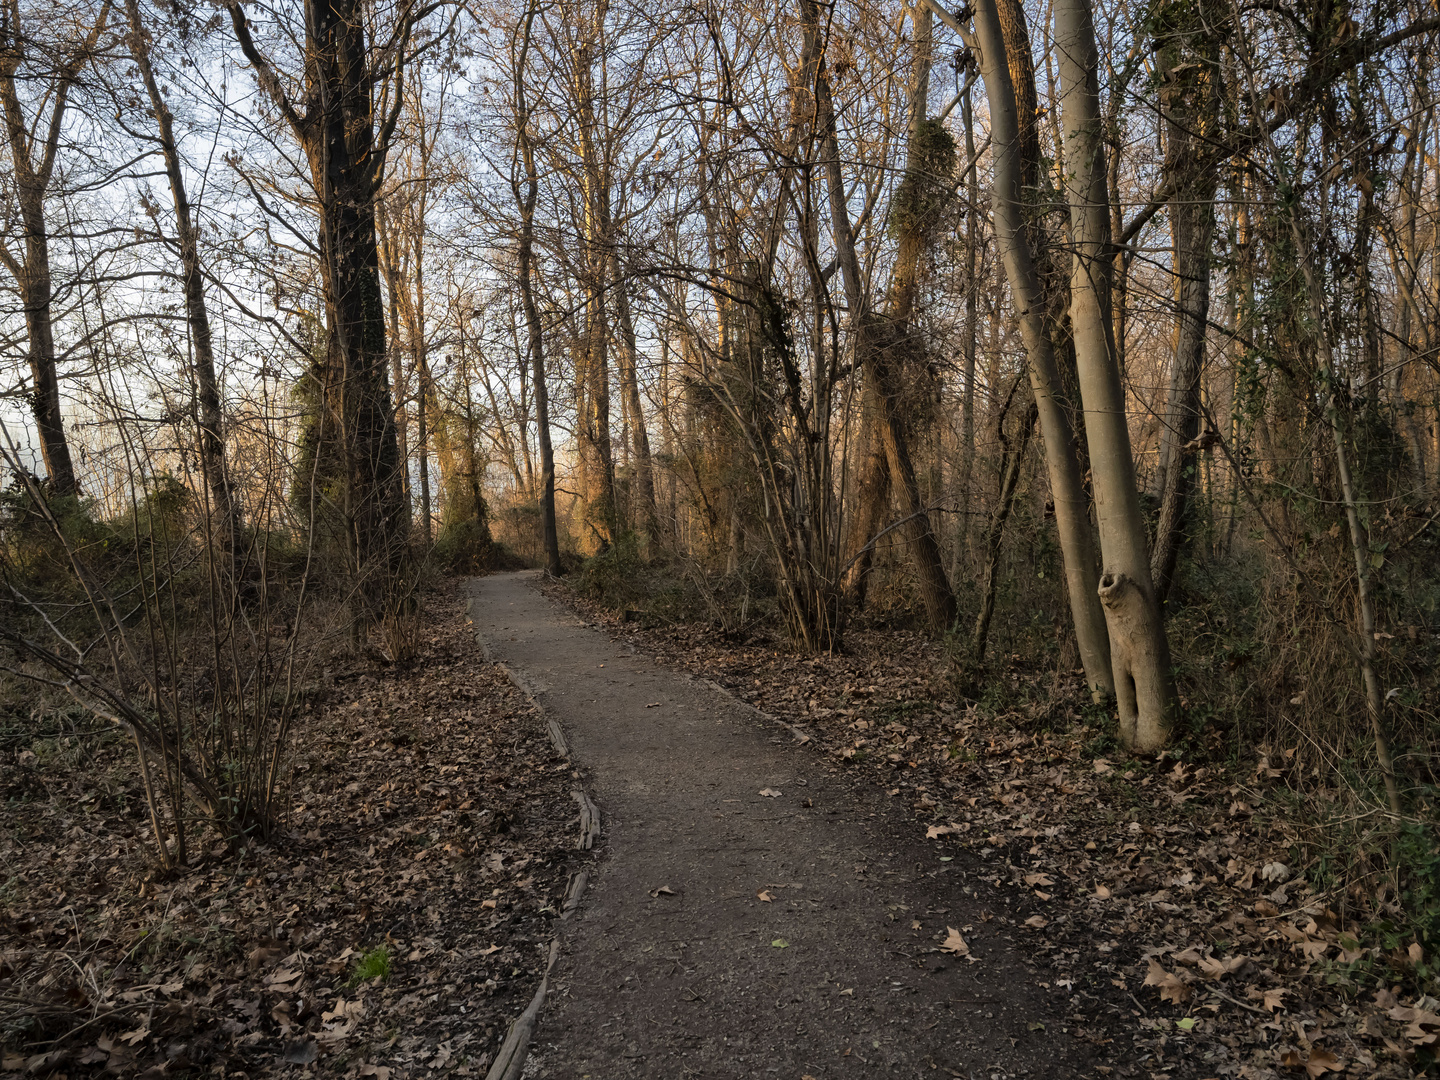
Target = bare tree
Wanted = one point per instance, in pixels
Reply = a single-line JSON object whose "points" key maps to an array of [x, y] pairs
{"points": [[33, 139]]}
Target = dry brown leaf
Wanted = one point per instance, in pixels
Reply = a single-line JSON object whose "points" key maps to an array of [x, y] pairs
{"points": [[956, 944], [1215, 968], [1423, 1027], [1171, 987], [1273, 998], [1314, 1064], [764, 896], [1037, 922]]}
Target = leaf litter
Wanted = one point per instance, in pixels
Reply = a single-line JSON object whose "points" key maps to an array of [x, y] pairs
{"points": [[1159, 895], [428, 842]]}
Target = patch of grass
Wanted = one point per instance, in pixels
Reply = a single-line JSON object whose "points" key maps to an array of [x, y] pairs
{"points": [[375, 964]]}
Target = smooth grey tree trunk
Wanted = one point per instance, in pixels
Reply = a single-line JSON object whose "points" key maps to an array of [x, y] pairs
{"points": [[1072, 518], [1139, 652]]}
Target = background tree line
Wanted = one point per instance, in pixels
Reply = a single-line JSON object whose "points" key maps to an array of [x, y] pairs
{"points": [[1099, 339]]}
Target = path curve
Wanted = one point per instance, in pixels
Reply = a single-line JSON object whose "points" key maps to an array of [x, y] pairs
{"points": [[691, 982]]}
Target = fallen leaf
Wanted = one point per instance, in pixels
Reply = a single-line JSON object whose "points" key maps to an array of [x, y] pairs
{"points": [[1215, 968], [344, 1010], [956, 944], [779, 943], [1274, 999], [771, 793], [1314, 1064], [1102, 892], [1172, 987], [663, 890], [1037, 922], [1424, 1027], [764, 896], [379, 1072], [1039, 879], [1186, 1023], [935, 831], [490, 950]]}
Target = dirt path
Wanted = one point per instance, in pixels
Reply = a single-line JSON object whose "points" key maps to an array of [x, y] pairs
{"points": [[694, 981]]}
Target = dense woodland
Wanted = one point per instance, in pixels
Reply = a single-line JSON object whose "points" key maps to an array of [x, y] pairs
{"points": [[1094, 340]]}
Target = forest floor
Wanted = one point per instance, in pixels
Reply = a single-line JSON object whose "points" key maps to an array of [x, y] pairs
{"points": [[890, 885], [1159, 919], [393, 927]]}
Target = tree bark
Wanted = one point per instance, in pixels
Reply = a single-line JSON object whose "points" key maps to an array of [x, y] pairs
{"points": [[630, 386], [878, 341], [533, 329], [209, 418], [1189, 102], [346, 153], [1014, 461], [592, 361], [1139, 652], [34, 144], [1071, 510]]}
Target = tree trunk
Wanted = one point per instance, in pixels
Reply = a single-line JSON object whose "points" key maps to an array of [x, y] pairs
{"points": [[32, 161], [630, 386], [346, 154], [1014, 461], [972, 329], [209, 419], [392, 267], [1190, 103], [878, 342], [1072, 518], [592, 362], [1139, 652], [1364, 647], [533, 329]]}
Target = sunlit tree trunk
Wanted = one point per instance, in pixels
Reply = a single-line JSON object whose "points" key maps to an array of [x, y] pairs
{"points": [[1139, 652], [1072, 518], [592, 355], [878, 340]]}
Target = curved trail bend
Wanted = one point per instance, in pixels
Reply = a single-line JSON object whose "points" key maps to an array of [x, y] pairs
{"points": [[691, 982]]}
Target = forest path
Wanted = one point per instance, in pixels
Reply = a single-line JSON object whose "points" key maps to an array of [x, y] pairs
{"points": [[693, 982]]}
